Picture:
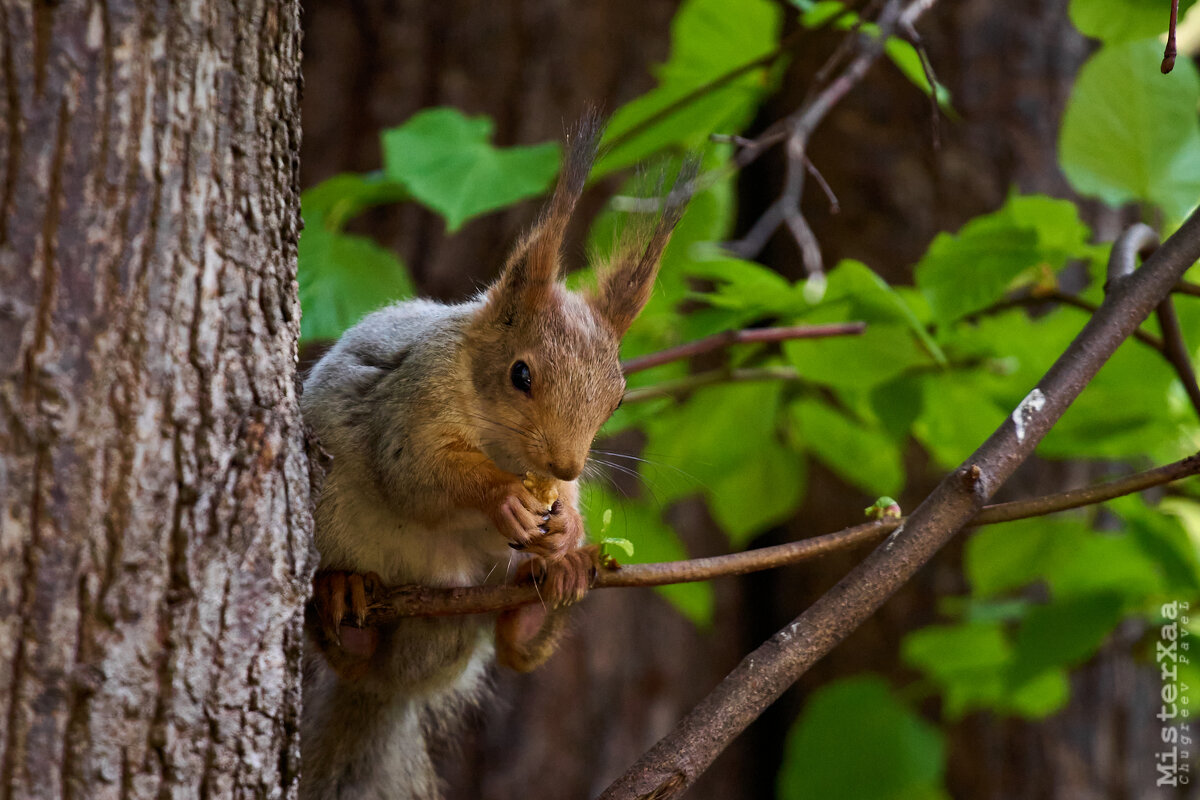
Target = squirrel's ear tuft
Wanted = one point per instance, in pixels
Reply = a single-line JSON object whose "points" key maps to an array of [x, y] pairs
{"points": [[534, 266], [626, 285]]}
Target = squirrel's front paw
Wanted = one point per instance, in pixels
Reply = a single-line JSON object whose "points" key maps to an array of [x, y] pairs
{"points": [[551, 534], [567, 578]]}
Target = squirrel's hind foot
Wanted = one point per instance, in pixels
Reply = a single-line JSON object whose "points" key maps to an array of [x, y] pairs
{"points": [[565, 580], [348, 647]]}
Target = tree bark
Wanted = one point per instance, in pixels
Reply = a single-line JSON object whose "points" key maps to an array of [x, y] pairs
{"points": [[155, 529]]}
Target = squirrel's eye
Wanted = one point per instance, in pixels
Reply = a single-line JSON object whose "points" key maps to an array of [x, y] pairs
{"points": [[521, 377]]}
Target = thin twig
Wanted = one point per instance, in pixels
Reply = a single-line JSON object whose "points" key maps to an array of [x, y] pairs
{"points": [[1142, 240], [1058, 296], [699, 380], [797, 128], [1176, 350], [1186, 287], [834, 206], [786, 44], [1168, 60], [426, 601], [918, 44], [672, 765], [719, 341]]}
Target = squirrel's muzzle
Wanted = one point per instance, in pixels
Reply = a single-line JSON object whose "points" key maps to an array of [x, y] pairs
{"points": [[565, 469]]}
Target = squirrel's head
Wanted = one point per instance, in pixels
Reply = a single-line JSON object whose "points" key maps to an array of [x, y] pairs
{"points": [[544, 361]]}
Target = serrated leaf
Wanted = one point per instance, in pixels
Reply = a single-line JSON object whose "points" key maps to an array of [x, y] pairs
{"points": [[972, 269], [955, 418], [862, 456], [760, 492], [1123, 410], [1130, 133], [448, 163], [854, 739], [726, 443]]}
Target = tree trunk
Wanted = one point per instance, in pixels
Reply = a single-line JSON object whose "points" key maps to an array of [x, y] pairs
{"points": [[155, 530]]}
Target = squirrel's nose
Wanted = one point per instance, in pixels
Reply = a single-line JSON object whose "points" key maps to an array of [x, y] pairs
{"points": [[564, 470]]}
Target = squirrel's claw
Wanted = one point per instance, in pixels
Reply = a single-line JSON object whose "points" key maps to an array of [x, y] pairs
{"points": [[331, 590], [565, 580], [519, 523]]}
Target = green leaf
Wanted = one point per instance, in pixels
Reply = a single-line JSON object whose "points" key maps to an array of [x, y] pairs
{"points": [[449, 164], [897, 404], [955, 417], [952, 653], [1106, 563], [1039, 696], [894, 342], [854, 739], [1123, 410], [342, 278], [968, 661], [1163, 538], [760, 492], [709, 39], [335, 201], [636, 521], [818, 13], [1130, 133], [973, 663], [1122, 20], [623, 544], [1003, 557], [1064, 633], [861, 455], [744, 284], [975, 267], [908, 61], [726, 442]]}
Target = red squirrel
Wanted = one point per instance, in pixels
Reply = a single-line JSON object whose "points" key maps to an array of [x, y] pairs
{"points": [[447, 426]]}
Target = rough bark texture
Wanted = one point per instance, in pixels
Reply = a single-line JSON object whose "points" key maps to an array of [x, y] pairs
{"points": [[155, 530]]}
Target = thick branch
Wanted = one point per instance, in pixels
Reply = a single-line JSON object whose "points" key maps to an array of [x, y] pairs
{"points": [[423, 601], [668, 768]]}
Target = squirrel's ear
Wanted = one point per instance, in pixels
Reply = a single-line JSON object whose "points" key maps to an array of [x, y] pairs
{"points": [[626, 285], [533, 267]]}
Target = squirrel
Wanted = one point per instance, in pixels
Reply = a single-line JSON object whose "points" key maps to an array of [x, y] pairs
{"points": [[450, 428]]}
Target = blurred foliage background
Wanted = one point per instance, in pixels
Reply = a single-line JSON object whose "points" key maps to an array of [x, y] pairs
{"points": [[1022, 662]]}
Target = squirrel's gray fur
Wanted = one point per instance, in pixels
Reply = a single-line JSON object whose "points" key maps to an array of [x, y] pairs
{"points": [[368, 738]]}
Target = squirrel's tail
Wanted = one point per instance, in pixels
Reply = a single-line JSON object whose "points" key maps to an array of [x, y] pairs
{"points": [[358, 741]]}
